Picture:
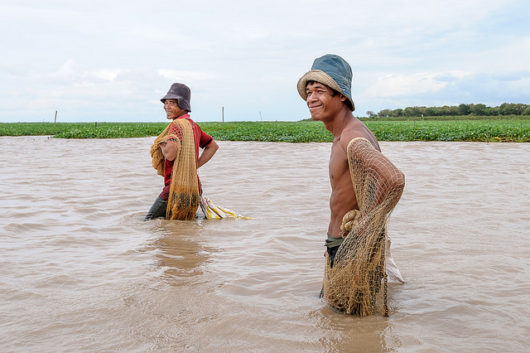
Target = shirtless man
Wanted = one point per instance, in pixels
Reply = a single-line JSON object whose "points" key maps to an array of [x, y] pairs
{"points": [[327, 91]]}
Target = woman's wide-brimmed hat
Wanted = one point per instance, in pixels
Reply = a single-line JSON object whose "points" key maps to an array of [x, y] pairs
{"points": [[181, 93], [332, 71]]}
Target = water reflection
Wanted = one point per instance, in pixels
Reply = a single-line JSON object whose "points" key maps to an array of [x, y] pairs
{"points": [[346, 333], [179, 251]]}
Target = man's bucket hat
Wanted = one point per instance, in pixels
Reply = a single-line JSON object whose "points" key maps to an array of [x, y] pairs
{"points": [[332, 71], [181, 93]]}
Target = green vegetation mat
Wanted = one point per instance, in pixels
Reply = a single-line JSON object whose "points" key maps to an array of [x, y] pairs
{"points": [[501, 130]]}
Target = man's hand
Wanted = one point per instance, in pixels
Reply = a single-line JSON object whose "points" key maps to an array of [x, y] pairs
{"points": [[169, 149]]}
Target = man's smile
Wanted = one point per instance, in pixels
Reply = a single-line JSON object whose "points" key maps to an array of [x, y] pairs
{"points": [[313, 107]]}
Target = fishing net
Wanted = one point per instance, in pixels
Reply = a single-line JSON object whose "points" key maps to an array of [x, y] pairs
{"points": [[184, 197], [354, 283], [213, 211]]}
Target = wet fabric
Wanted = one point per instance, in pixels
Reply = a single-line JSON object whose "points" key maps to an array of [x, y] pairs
{"points": [[213, 211], [157, 210]]}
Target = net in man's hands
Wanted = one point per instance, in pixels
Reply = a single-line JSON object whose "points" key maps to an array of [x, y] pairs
{"points": [[354, 283]]}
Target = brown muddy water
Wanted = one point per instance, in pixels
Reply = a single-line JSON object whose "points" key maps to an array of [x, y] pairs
{"points": [[81, 271]]}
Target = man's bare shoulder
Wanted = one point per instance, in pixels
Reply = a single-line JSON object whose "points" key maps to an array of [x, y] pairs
{"points": [[357, 129]]}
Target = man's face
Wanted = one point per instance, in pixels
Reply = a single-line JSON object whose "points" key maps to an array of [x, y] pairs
{"points": [[323, 102], [172, 109]]}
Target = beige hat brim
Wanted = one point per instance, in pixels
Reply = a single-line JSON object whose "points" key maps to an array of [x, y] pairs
{"points": [[321, 77], [317, 76]]}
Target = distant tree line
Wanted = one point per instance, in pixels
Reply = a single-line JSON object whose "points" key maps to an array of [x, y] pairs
{"points": [[462, 109]]}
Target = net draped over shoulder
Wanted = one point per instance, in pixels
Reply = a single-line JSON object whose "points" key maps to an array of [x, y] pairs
{"points": [[184, 197], [353, 284]]}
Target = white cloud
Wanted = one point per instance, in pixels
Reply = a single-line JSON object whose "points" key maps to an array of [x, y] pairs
{"points": [[520, 85], [106, 74], [391, 85], [248, 56], [177, 75], [66, 71], [70, 73]]}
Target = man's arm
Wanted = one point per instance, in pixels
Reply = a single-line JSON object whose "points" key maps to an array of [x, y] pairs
{"points": [[382, 182], [169, 149], [377, 185], [207, 153]]}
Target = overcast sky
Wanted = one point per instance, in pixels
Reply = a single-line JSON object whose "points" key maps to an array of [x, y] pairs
{"points": [[113, 60]]}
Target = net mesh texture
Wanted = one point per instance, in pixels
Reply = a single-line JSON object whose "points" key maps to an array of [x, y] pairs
{"points": [[353, 285], [184, 197]]}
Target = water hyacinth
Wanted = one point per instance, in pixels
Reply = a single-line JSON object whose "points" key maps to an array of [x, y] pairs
{"points": [[436, 129]]}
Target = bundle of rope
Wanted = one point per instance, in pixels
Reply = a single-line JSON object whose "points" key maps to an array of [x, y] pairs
{"points": [[353, 284], [184, 197]]}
